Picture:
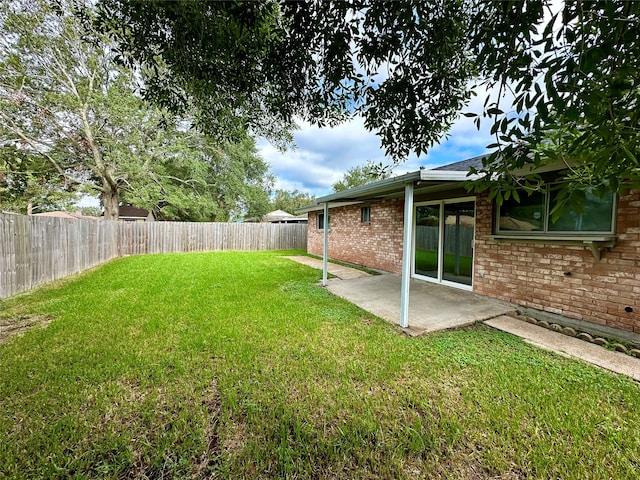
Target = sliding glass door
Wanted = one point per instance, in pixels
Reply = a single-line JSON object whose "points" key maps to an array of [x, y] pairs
{"points": [[427, 240], [443, 241], [459, 220]]}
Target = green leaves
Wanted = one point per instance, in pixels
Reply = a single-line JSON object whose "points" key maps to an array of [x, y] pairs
{"points": [[576, 86], [71, 107], [403, 66], [363, 174], [290, 201]]}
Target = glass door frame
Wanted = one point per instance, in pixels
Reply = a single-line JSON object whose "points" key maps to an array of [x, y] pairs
{"points": [[441, 232]]}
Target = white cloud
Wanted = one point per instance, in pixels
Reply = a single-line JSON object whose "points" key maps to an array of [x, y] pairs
{"points": [[323, 155]]}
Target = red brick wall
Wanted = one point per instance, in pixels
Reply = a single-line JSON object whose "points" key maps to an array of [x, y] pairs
{"points": [[533, 274], [377, 244], [528, 274]]}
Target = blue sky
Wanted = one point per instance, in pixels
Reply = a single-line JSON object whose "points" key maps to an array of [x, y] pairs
{"points": [[322, 156]]}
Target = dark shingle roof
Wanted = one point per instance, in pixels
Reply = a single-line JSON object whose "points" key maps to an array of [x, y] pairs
{"points": [[464, 165], [130, 211]]}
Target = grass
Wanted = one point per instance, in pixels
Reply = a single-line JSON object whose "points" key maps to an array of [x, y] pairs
{"points": [[237, 365]]}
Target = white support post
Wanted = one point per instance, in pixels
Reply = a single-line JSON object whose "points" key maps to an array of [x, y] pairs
{"points": [[325, 247], [406, 255]]}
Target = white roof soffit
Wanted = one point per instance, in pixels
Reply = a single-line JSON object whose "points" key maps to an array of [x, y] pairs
{"points": [[554, 166]]}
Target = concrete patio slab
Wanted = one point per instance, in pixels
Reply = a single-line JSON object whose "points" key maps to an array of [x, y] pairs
{"points": [[432, 307], [568, 346]]}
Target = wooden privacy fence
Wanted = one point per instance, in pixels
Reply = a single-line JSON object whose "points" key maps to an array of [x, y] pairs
{"points": [[35, 250]]}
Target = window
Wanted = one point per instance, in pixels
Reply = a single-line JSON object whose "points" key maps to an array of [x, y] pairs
{"points": [[365, 214], [321, 221], [528, 215], [532, 215], [596, 216]]}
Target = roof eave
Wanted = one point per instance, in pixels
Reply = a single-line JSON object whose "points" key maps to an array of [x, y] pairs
{"points": [[371, 189], [389, 186], [447, 176]]}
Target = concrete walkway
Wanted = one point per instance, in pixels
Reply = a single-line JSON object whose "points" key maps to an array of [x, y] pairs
{"points": [[435, 307], [344, 273], [568, 346]]}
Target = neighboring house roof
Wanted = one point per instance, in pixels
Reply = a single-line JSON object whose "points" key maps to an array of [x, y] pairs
{"points": [[295, 219], [280, 216], [61, 214], [508, 223], [129, 211], [276, 216]]}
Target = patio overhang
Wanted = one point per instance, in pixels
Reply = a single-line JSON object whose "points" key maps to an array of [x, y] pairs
{"points": [[424, 180], [404, 186]]}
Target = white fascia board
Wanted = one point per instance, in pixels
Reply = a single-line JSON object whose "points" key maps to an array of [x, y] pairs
{"points": [[386, 187], [447, 176]]}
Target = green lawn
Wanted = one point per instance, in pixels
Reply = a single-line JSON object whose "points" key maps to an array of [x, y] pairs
{"points": [[237, 365]]}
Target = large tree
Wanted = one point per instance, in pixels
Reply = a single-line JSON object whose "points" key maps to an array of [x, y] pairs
{"points": [[30, 184], [408, 67], [196, 179], [65, 100]]}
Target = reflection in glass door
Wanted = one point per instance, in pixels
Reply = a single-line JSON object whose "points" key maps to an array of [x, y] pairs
{"points": [[427, 240], [459, 222], [444, 241]]}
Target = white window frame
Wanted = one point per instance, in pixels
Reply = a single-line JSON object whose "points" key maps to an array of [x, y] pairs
{"points": [[321, 215], [363, 209]]}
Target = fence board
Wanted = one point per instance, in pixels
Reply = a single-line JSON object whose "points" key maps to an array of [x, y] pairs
{"points": [[35, 250]]}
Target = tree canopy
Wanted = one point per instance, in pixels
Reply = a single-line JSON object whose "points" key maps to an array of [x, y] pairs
{"points": [[260, 64], [290, 200], [361, 175], [409, 68], [196, 179], [73, 121], [30, 183]]}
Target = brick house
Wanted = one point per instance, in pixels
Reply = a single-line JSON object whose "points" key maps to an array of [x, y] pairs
{"points": [[582, 270]]}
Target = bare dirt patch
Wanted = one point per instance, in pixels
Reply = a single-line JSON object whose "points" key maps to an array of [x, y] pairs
{"points": [[209, 458], [18, 325], [165, 406]]}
